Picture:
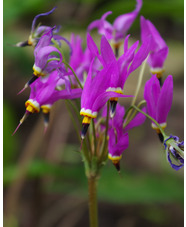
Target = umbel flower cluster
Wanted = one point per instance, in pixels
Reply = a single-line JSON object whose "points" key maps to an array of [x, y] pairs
{"points": [[96, 76]]}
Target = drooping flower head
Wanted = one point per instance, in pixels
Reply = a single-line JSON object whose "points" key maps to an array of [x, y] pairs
{"points": [[37, 32], [118, 135], [174, 150], [44, 94], [120, 27], [159, 99], [43, 53], [121, 68], [95, 95], [47, 58], [159, 49]]}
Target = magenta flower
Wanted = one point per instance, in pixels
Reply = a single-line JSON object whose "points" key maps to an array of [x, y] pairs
{"points": [[118, 136], [159, 100], [120, 26], [37, 32], [44, 53], [159, 49], [95, 95], [44, 94], [121, 68]]}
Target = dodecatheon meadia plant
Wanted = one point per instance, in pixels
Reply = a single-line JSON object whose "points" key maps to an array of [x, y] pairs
{"points": [[95, 95], [118, 135], [123, 67], [37, 31], [118, 30], [159, 49], [44, 94], [174, 150], [159, 100], [47, 58]]}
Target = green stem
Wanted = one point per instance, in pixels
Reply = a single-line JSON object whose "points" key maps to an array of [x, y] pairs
{"points": [[53, 59], [104, 150], [73, 120], [73, 73], [94, 133], [93, 211], [133, 115], [137, 88], [75, 108], [85, 152], [152, 119]]}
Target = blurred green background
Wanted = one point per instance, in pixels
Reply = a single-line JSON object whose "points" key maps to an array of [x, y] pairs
{"points": [[44, 180]]}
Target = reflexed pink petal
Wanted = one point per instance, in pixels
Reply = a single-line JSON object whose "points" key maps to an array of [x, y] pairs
{"points": [[126, 43], [107, 52], [40, 15], [151, 89], [158, 46], [122, 23], [141, 55], [92, 46], [116, 148], [165, 100], [43, 54], [157, 59], [45, 40], [94, 24]]}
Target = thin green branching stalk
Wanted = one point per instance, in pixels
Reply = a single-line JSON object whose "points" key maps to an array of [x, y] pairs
{"points": [[53, 59], [84, 144], [139, 82], [137, 88], [134, 113], [75, 108], [94, 134], [73, 73], [73, 120], [58, 47], [104, 150], [152, 119]]}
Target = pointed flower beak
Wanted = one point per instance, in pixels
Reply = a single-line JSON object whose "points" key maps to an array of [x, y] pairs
{"points": [[46, 114], [22, 44], [21, 121], [28, 83], [85, 124], [113, 104], [116, 161]]}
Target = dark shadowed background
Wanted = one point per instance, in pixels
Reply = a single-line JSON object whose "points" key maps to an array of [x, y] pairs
{"points": [[44, 180]]}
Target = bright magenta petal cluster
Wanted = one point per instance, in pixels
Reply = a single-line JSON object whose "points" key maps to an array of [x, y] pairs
{"points": [[159, 99], [159, 50], [118, 135], [120, 27], [97, 75]]}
